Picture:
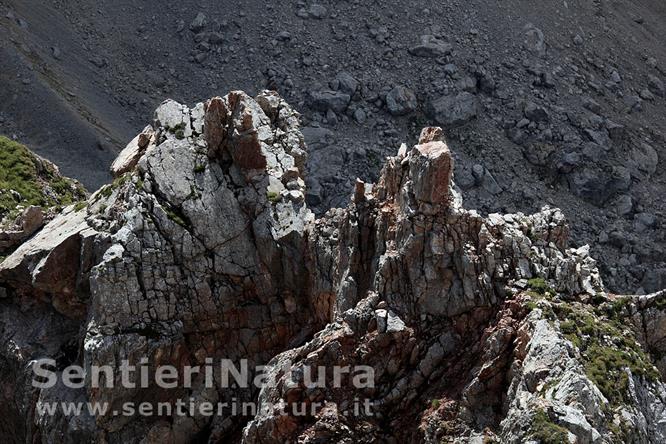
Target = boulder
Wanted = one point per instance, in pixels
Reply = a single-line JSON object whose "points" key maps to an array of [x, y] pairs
{"points": [[534, 40], [49, 263], [347, 84], [451, 111], [597, 186], [401, 101], [129, 157], [323, 101], [317, 11], [643, 161]]}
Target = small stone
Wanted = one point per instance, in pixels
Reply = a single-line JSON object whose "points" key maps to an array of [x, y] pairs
{"points": [[656, 85], [359, 116], [478, 171], [431, 46], [331, 117], [98, 61], [633, 103], [624, 205], [654, 280], [592, 105], [643, 160], [523, 123], [546, 80], [646, 219], [490, 184], [201, 57], [615, 77], [199, 23], [394, 324], [381, 316], [347, 83], [317, 11], [464, 178], [450, 69], [535, 41], [536, 113], [283, 36], [616, 131], [568, 162]]}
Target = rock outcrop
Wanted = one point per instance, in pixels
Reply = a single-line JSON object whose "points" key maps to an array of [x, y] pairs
{"points": [[475, 328], [32, 192]]}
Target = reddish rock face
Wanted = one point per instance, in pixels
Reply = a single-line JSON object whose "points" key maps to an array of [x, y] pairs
{"points": [[432, 170], [232, 124], [215, 124], [247, 153], [431, 134], [31, 220]]}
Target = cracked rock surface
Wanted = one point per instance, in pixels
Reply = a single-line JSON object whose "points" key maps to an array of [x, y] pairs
{"points": [[476, 328]]}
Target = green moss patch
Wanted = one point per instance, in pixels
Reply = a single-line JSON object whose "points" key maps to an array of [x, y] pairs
{"points": [[176, 216], [273, 196], [539, 286], [26, 180], [106, 191], [606, 342], [546, 431], [607, 346], [178, 130]]}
